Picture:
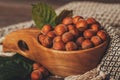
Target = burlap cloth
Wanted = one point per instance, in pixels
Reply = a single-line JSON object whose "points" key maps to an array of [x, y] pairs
{"points": [[108, 15]]}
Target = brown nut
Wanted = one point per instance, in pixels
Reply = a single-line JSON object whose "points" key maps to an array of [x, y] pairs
{"points": [[67, 37], [70, 46], [46, 41], [102, 34], [87, 44], [91, 20], [57, 39], [81, 25], [36, 75], [96, 40], [70, 27], [44, 71], [67, 20], [51, 34], [46, 28], [75, 32], [60, 29], [76, 19], [88, 33], [36, 66], [79, 41], [59, 45], [95, 27], [41, 37]]}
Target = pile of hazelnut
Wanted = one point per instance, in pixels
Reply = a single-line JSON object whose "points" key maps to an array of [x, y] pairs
{"points": [[74, 33]]}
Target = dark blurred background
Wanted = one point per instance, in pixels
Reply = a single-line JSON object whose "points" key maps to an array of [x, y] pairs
{"points": [[15, 11]]}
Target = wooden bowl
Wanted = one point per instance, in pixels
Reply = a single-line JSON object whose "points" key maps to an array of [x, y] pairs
{"points": [[61, 63], [66, 63]]}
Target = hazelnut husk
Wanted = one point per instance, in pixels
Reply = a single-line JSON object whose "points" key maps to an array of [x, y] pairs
{"points": [[91, 20], [70, 46], [95, 27], [89, 33], [70, 27], [86, 44], [75, 32], [67, 20], [102, 34], [79, 41], [96, 40], [45, 41], [57, 39], [51, 34], [76, 19], [60, 29], [67, 37], [46, 28], [59, 45], [81, 25]]}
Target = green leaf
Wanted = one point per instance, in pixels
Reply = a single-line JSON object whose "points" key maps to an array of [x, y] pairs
{"points": [[12, 68], [63, 14], [43, 14]]}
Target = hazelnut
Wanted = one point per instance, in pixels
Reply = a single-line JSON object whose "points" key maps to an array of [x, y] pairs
{"points": [[95, 27], [102, 34], [88, 33], [70, 46], [46, 42], [51, 34], [75, 32], [57, 39], [67, 37], [46, 28], [81, 25], [67, 20], [76, 19], [87, 44], [36, 66], [60, 29], [80, 40], [96, 40], [36, 75], [41, 37], [91, 20], [70, 27], [44, 71], [59, 45]]}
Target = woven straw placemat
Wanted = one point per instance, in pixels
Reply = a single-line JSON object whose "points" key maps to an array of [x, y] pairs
{"points": [[109, 16]]}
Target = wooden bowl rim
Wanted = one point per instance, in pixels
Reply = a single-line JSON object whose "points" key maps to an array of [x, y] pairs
{"points": [[77, 51]]}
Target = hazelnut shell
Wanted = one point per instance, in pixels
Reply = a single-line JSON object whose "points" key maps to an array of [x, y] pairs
{"points": [[70, 46], [60, 29], [81, 25], [96, 40], [102, 34], [67, 37], [88, 33], [59, 45], [91, 20], [79, 41], [67, 20], [76, 19], [87, 44], [46, 28]]}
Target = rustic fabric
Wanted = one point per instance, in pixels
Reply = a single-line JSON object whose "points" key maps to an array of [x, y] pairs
{"points": [[108, 15]]}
